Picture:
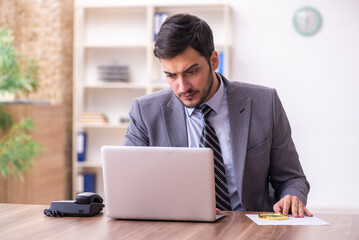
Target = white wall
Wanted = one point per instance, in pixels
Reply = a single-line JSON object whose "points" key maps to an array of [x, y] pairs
{"points": [[317, 79]]}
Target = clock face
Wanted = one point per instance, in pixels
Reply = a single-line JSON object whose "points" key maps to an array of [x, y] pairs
{"points": [[307, 21]]}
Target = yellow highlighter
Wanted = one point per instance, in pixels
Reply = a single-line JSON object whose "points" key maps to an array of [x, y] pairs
{"points": [[273, 216]]}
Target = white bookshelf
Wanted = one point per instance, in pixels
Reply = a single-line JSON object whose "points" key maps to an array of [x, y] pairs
{"points": [[106, 32]]}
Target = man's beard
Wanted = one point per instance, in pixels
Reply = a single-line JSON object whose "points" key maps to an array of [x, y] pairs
{"points": [[205, 92]]}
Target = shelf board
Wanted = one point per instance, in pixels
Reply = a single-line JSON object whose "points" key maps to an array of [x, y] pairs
{"points": [[160, 85], [104, 125], [113, 45], [109, 5], [89, 164], [118, 85], [217, 7]]}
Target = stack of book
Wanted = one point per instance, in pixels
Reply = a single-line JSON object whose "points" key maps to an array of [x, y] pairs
{"points": [[113, 73], [93, 118]]}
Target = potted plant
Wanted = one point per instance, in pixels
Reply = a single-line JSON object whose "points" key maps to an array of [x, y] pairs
{"points": [[17, 75]]}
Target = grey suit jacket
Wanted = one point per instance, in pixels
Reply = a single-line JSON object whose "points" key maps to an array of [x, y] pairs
{"points": [[265, 159]]}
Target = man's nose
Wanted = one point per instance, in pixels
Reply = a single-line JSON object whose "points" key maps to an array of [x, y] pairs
{"points": [[183, 84]]}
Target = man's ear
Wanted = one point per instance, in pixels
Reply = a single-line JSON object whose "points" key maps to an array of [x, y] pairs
{"points": [[214, 60]]}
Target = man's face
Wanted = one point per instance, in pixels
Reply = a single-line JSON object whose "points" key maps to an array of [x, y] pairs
{"points": [[191, 78]]}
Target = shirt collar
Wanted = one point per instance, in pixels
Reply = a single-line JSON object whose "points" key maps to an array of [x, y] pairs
{"points": [[215, 101]]}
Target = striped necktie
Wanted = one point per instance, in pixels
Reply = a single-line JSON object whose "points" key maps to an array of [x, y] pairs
{"points": [[209, 140]]}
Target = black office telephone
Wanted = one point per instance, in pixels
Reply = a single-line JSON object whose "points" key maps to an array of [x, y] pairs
{"points": [[87, 204]]}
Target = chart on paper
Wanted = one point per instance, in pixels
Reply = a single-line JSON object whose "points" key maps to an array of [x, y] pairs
{"points": [[290, 221]]}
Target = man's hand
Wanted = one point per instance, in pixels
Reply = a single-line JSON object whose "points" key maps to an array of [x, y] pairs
{"points": [[218, 211], [291, 204]]}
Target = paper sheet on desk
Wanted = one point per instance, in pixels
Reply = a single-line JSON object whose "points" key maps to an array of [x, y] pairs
{"points": [[291, 221]]}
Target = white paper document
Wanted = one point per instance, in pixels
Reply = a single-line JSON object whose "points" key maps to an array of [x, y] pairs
{"points": [[290, 221]]}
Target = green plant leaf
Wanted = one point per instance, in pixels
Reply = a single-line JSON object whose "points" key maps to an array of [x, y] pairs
{"points": [[5, 119], [18, 149], [17, 73]]}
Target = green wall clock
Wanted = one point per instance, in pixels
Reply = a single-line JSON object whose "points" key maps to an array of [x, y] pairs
{"points": [[307, 21]]}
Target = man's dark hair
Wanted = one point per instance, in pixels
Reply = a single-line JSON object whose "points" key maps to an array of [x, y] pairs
{"points": [[181, 31]]}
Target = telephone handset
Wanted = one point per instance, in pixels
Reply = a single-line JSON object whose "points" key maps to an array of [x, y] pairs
{"points": [[87, 204]]}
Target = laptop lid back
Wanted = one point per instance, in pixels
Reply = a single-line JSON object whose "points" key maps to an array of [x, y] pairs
{"points": [[159, 183]]}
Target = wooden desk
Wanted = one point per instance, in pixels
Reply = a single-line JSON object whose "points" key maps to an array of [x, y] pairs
{"points": [[28, 222]]}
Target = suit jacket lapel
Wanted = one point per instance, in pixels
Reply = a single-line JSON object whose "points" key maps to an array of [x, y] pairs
{"points": [[175, 120], [239, 107]]}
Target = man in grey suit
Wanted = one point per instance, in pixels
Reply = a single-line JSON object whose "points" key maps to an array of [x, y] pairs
{"points": [[261, 165]]}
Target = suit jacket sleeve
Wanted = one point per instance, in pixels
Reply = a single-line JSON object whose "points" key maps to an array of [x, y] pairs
{"points": [[286, 174], [136, 134]]}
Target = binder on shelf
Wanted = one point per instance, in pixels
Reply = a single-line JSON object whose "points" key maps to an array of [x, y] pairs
{"points": [[81, 146], [220, 63], [159, 18], [89, 182]]}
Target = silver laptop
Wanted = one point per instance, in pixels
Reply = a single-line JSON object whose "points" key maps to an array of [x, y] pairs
{"points": [[159, 183]]}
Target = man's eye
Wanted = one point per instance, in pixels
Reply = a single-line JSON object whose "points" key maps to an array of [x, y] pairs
{"points": [[192, 72], [171, 76]]}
